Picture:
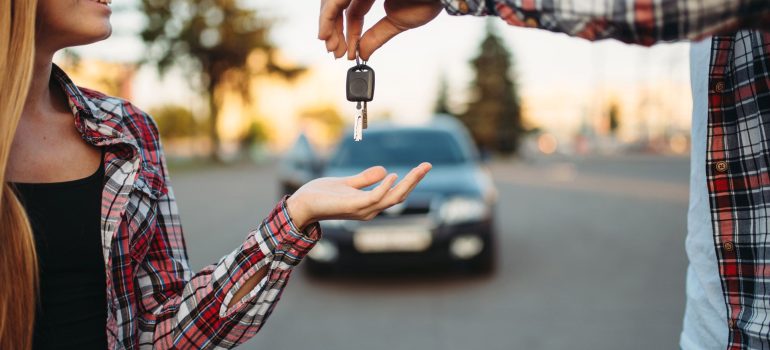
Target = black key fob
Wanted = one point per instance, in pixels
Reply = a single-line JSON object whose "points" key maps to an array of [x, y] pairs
{"points": [[360, 84]]}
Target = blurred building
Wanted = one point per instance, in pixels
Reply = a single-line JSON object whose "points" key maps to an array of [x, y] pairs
{"points": [[651, 118]]}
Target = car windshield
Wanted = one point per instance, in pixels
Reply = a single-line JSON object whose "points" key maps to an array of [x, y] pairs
{"points": [[400, 148]]}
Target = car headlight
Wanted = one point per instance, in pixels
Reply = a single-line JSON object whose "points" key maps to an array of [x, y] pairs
{"points": [[324, 251], [463, 209]]}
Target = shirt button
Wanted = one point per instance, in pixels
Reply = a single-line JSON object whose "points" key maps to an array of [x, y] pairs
{"points": [[729, 246], [463, 7], [731, 323], [721, 166], [719, 86], [531, 22]]}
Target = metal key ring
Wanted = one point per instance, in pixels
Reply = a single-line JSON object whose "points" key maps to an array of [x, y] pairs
{"points": [[358, 60], [358, 55]]}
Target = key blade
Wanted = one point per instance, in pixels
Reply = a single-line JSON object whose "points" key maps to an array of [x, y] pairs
{"points": [[358, 132]]}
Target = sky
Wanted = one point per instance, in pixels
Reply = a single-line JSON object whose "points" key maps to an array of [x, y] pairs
{"points": [[548, 66]]}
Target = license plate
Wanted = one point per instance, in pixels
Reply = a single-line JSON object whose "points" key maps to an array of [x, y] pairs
{"points": [[392, 239]]}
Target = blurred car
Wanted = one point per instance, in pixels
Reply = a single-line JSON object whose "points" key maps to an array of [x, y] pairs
{"points": [[448, 218], [298, 166]]}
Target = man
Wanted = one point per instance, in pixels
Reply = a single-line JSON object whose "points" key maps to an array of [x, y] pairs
{"points": [[728, 241]]}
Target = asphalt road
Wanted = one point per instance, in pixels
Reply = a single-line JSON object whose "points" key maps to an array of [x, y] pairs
{"points": [[592, 257]]}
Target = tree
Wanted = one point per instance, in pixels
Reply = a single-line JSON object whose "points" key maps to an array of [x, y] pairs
{"points": [[220, 44], [442, 102], [174, 121], [494, 113], [255, 134], [327, 116], [613, 114]]}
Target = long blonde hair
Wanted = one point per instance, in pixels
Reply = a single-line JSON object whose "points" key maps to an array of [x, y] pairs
{"points": [[18, 262]]}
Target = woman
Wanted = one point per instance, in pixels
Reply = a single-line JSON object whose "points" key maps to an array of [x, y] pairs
{"points": [[91, 175]]}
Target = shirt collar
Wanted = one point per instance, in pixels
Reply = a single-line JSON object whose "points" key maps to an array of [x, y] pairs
{"points": [[96, 125], [99, 120]]}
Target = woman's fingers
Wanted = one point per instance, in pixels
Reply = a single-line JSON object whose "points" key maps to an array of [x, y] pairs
{"points": [[378, 193], [386, 196], [410, 181], [342, 198], [367, 177]]}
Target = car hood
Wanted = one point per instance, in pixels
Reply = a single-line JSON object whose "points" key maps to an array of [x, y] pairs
{"points": [[464, 179]]}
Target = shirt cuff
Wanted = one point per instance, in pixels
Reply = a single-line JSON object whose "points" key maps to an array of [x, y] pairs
{"points": [[469, 7], [283, 239], [312, 231]]}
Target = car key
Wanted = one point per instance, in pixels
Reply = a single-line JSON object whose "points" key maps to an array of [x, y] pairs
{"points": [[360, 89]]}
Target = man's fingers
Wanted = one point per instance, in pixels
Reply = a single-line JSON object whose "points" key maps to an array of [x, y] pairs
{"points": [[377, 36], [354, 16], [332, 42], [410, 181], [341, 47], [331, 11], [354, 28], [367, 177]]}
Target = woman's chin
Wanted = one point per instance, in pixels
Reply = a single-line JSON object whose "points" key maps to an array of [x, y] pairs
{"points": [[72, 23], [91, 35], [106, 33]]}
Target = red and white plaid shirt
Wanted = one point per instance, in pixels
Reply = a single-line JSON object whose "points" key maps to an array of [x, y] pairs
{"points": [[154, 300], [738, 154]]}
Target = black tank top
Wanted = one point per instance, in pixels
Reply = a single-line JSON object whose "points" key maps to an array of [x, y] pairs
{"points": [[72, 305]]}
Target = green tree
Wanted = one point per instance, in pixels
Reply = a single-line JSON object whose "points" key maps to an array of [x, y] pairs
{"points": [[442, 102], [255, 134], [328, 116], [213, 41], [494, 113], [613, 114], [174, 121]]}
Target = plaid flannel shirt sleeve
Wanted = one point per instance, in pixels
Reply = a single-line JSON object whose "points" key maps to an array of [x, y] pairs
{"points": [[184, 311], [644, 22]]}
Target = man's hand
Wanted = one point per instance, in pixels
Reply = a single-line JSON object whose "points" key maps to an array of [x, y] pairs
{"points": [[343, 198], [401, 15]]}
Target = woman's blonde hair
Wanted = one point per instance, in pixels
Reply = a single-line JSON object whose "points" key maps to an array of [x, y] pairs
{"points": [[18, 262]]}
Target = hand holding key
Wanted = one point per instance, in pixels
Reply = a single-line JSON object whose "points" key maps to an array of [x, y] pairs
{"points": [[401, 15]]}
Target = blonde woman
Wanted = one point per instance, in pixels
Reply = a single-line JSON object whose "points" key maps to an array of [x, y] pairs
{"points": [[90, 172]]}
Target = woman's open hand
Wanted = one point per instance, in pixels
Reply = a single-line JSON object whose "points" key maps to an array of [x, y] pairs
{"points": [[344, 197]]}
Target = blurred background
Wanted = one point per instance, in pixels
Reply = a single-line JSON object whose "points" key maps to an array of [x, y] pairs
{"points": [[555, 217]]}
